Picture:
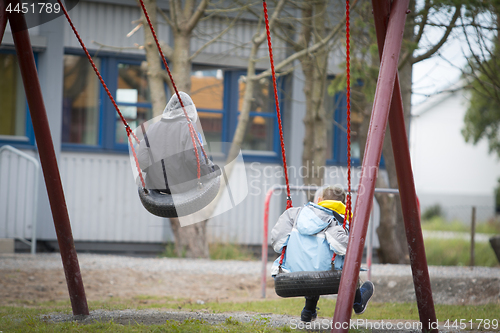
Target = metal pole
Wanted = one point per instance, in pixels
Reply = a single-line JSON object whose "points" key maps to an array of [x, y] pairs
{"points": [[369, 247], [409, 200], [49, 163], [472, 236], [369, 171], [265, 238]]}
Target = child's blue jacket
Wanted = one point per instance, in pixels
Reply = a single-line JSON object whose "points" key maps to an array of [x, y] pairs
{"points": [[312, 234]]}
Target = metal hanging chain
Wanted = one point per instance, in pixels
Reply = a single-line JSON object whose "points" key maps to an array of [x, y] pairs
{"points": [[194, 137], [127, 127], [283, 154]]}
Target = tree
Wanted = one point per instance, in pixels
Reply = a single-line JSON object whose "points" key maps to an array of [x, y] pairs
{"points": [[191, 240], [482, 119], [364, 70]]}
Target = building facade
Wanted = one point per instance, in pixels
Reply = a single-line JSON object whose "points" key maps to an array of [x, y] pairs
{"points": [[91, 144]]}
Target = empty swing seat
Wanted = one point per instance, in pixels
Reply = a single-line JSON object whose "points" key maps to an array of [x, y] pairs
{"points": [[180, 204]]}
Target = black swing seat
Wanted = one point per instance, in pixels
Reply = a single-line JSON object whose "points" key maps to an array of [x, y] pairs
{"points": [[189, 202], [309, 283]]}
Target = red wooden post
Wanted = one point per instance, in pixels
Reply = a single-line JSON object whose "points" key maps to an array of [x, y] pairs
{"points": [[49, 163], [371, 159], [409, 201]]}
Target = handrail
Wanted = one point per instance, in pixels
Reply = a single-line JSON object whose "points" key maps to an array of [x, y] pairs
{"points": [[269, 194], [36, 165]]}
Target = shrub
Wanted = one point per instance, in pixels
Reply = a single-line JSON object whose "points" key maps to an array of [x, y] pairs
{"points": [[432, 211]]}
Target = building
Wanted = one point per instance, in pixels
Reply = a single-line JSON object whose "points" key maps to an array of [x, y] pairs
{"points": [[91, 144], [448, 171]]}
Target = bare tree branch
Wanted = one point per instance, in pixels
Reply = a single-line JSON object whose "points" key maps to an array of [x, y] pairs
{"points": [[165, 17], [305, 51], [438, 45], [423, 23], [168, 51], [260, 39], [133, 31], [119, 48], [193, 20], [173, 13], [222, 33]]}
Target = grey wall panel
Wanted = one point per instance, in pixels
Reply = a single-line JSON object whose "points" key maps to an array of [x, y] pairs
{"points": [[17, 196], [102, 200], [243, 224], [108, 24]]}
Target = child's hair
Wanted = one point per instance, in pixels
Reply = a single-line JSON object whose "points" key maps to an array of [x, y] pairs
{"points": [[333, 193]]}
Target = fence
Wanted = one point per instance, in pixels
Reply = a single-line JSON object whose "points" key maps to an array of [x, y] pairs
{"points": [[19, 179]]}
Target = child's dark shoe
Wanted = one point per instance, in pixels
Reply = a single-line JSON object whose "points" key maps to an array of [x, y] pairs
{"points": [[308, 315], [366, 291]]}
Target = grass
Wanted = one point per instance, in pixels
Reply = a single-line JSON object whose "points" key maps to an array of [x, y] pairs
{"points": [[28, 319], [21, 318], [456, 252], [439, 224], [217, 251]]}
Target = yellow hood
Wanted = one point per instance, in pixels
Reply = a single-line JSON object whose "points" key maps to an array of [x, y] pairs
{"points": [[337, 206]]}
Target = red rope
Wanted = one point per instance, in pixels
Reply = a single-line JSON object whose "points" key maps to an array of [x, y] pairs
{"points": [[194, 137], [288, 198], [348, 75], [348, 212], [137, 162], [127, 127]]}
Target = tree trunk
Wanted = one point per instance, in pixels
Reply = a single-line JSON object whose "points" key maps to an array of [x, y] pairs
{"points": [[190, 241], [394, 248], [314, 68]]}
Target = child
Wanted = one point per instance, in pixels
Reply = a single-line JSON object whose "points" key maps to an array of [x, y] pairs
{"points": [[312, 234]]}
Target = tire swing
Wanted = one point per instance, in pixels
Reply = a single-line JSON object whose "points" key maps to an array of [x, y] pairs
{"points": [[310, 283], [154, 201], [163, 204], [195, 199]]}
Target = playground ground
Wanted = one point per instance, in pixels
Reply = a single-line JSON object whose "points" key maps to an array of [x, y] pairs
{"points": [[27, 280]]}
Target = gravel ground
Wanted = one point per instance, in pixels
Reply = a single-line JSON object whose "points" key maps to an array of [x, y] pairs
{"points": [[24, 278]]}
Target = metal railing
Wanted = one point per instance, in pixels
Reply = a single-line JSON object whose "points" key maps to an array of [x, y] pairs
{"points": [[36, 166]]}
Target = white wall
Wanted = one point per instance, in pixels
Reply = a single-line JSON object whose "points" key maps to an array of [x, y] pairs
{"points": [[448, 170]]}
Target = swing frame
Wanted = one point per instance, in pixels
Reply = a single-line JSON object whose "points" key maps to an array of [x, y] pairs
{"points": [[387, 107]]}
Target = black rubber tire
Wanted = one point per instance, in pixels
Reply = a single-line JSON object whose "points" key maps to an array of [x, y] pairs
{"points": [[307, 283], [188, 202]]}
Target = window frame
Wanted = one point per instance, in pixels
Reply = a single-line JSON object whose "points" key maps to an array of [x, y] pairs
{"points": [[66, 146], [107, 113], [339, 137], [232, 90], [26, 141]]}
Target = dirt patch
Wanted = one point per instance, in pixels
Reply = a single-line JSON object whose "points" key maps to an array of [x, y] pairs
{"points": [[50, 285]]}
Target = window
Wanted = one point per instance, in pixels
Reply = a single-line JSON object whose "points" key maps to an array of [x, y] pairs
{"points": [[133, 98], [12, 100], [336, 111], [259, 134], [207, 92], [90, 121], [80, 101]]}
